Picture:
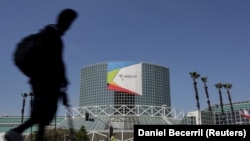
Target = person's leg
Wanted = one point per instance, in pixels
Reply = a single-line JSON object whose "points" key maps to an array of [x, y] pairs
{"points": [[24, 126], [40, 133], [12, 135], [48, 116], [48, 112], [46, 108], [34, 116], [15, 134]]}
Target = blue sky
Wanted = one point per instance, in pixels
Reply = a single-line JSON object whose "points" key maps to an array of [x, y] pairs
{"points": [[211, 37]]}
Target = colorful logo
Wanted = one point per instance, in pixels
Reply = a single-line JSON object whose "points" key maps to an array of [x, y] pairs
{"points": [[125, 77]]}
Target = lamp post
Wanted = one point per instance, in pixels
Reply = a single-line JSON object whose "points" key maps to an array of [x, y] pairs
{"points": [[24, 95], [31, 106]]}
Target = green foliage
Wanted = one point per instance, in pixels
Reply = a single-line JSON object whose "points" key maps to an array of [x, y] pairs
{"points": [[60, 134], [81, 135], [56, 135], [219, 85], [194, 75]]}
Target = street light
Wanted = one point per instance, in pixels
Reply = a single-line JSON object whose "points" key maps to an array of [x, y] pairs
{"points": [[86, 116], [24, 95], [31, 106], [110, 131]]}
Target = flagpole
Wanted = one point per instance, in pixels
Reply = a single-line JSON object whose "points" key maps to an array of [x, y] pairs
{"points": [[240, 117]]}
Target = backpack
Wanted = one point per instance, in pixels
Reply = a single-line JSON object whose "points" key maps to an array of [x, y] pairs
{"points": [[27, 52]]}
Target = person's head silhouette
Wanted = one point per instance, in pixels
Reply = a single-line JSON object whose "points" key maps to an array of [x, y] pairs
{"points": [[65, 19]]}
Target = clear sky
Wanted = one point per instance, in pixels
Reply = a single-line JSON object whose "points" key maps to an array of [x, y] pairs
{"points": [[211, 37]]}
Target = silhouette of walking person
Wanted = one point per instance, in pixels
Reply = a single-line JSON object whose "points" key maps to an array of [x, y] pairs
{"points": [[48, 81]]}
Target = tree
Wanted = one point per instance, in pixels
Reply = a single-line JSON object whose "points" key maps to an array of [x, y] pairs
{"points": [[194, 76], [64, 135], [24, 95], [228, 86], [219, 87], [81, 135], [56, 135], [204, 80]]}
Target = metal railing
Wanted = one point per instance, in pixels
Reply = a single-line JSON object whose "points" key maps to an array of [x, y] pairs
{"points": [[126, 110]]}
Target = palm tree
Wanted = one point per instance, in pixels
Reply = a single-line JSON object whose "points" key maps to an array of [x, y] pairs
{"points": [[219, 86], [204, 80], [194, 76], [24, 95], [228, 86]]}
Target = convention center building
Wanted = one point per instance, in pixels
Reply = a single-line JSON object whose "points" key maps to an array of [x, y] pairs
{"points": [[118, 95], [115, 96]]}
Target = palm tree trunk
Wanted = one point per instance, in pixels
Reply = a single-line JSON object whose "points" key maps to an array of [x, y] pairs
{"points": [[229, 86], [197, 100], [196, 95], [222, 108], [231, 105], [209, 104], [195, 76]]}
